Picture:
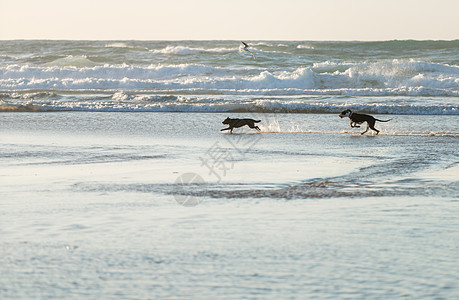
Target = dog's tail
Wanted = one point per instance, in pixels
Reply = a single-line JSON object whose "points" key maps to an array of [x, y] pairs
{"points": [[257, 121], [383, 120]]}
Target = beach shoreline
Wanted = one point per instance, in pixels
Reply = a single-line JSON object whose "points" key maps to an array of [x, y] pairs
{"points": [[89, 207], [116, 180]]}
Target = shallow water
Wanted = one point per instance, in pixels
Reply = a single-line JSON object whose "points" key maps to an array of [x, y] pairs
{"points": [[309, 208]]}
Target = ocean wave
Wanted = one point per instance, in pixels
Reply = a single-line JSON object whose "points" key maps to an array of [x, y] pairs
{"points": [[130, 102], [184, 50], [304, 47], [18, 108], [71, 61], [123, 45], [268, 44], [28, 96], [108, 72], [382, 78]]}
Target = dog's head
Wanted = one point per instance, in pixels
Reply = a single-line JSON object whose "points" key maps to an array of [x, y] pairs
{"points": [[227, 121], [345, 113]]}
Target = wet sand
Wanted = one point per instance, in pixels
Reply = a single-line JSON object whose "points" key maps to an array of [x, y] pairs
{"points": [[308, 208]]}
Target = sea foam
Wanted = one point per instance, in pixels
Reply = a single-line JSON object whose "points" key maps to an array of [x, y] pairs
{"points": [[287, 76], [184, 50], [366, 78]]}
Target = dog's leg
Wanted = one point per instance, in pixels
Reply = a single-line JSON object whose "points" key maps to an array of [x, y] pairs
{"points": [[225, 129], [373, 128], [368, 126], [252, 125], [354, 125], [371, 124]]}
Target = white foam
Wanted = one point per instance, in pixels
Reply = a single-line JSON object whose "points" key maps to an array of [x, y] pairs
{"points": [[121, 96], [305, 47], [327, 78], [117, 45], [184, 50], [73, 61], [127, 101], [111, 72]]}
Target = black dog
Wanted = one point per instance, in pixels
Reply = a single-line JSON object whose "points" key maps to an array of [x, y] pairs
{"points": [[236, 123], [360, 118]]}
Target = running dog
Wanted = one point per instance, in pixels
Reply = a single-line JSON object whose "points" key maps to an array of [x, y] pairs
{"points": [[236, 123], [360, 118]]}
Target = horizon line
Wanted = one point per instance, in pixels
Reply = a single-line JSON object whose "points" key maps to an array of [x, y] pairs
{"points": [[201, 40]]}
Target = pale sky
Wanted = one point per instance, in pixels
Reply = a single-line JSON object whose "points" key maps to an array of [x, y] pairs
{"points": [[229, 19]]}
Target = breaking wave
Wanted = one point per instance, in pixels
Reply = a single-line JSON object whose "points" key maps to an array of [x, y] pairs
{"points": [[183, 50], [393, 77], [387, 78], [72, 61], [141, 102]]}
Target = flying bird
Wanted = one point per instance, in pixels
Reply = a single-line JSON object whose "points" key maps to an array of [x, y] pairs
{"points": [[246, 48]]}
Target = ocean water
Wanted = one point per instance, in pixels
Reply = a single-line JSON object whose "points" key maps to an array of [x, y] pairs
{"points": [[396, 77], [116, 181]]}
